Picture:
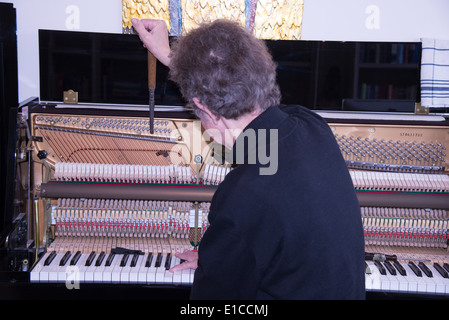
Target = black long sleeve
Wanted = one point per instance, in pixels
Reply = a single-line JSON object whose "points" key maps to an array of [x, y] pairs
{"points": [[295, 234]]}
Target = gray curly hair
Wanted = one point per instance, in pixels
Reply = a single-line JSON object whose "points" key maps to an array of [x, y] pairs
{"points": [[226, 68]]}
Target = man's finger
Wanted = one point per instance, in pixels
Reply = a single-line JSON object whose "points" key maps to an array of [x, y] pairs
{"points": [[138, 26], [150, 24], [142, 25], [187, 255], [184, 265], [154, 36]]}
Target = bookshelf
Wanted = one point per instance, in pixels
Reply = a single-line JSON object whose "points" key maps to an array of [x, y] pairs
{"points": [[387, 71]]}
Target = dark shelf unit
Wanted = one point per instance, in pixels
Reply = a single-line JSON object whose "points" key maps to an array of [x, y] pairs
{"points": [[111, 69], [388, 71]]}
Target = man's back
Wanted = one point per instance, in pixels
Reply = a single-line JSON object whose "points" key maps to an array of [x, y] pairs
{"points": [[294, 234]]}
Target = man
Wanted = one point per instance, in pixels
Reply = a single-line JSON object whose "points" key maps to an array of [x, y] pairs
{"points": [[291, 232]]}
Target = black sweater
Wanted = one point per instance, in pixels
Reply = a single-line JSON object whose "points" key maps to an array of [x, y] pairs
{"points": [[294, 234]]}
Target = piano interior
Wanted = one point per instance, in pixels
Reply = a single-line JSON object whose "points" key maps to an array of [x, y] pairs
{"points": [[401, 179], [116, 203], [103, 184]]}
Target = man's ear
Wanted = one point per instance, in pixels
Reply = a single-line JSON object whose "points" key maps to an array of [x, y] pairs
{"points": [[205, 109]]}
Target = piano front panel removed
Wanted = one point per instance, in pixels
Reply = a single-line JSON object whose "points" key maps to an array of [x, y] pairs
{"points": [[116, 203]]}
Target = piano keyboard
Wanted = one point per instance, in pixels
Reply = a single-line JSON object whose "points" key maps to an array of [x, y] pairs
{"points": [[153, 269], [410, 277], [99, 267]]}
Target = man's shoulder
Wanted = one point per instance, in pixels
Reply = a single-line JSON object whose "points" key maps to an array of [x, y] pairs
{"points": [[300, 112]]}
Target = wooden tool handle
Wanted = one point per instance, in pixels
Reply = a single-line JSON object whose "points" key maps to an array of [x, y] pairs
{"points": [[151, 71]]}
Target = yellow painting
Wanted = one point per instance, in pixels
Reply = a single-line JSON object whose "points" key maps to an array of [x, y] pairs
{"points": [[278, 19], [144, 9], [267, 19], [195, 12]]}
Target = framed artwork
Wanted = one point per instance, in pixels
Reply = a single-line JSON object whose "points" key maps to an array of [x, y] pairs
{"points": [[267, 19]]}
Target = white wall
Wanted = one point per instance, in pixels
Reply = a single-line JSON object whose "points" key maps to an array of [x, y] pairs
{"points": [[32, 15], [351, 20], [375, 20]]}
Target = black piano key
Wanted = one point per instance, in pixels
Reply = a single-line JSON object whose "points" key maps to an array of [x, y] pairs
{"points": [[400, 268], [134, 260], [124, 260], [390, 268], [90, 259], [100, 259], [168, 261], [110, 259], [441, 270], [65, 258], [158, 260], [149, 259], [446, 266], [425, 269], [50, 258], [75, 258], [380, 267], [415, 269]]}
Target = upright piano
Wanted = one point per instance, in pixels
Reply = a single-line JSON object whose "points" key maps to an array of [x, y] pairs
{"points": [[101, 205]]}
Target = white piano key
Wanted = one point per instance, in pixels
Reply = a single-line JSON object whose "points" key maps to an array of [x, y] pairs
{"points": [[151, 270], [98, 273], [368, 278], [443, 283], [43, 273], [412, 279], [143, 269], [168, 276], [421, 286], [177, 275], [385, 281], [135, 271], [81, 267], [374, 280], [109, 267], [36, 274], [186, 277], [62, 269], [438, 280], [126, 269], [115, 269], [53, 268], [393, 281], [89, 270], [402, 281], [192, 276], [433, 285], [160, 270]]}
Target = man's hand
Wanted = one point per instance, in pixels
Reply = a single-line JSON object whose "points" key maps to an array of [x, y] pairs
{"points": [[154, 35], [191, 262]]}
